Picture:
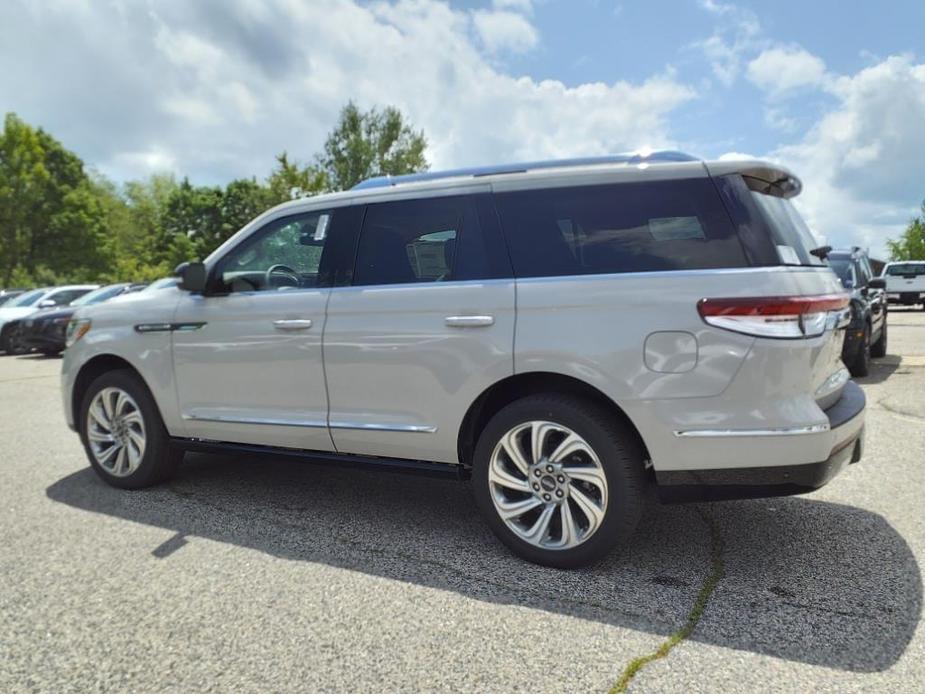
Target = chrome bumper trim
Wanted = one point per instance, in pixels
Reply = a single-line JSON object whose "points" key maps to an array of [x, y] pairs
{"points": [[731, 433]]}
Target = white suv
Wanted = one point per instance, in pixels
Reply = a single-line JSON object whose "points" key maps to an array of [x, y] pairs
{"points": [[564, 333]]}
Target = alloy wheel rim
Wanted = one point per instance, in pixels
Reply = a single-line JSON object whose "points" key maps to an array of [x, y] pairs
{"points": [[548, 485], [116, 432]]}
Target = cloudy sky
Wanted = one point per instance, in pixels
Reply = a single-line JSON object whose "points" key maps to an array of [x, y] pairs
{"points": [[214, 88]]}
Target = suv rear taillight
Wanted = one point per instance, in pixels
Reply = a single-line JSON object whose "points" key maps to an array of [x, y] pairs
{"points": [[785, 317]]}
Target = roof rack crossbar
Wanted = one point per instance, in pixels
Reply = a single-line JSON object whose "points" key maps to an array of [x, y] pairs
{"points": [[660, 156]]}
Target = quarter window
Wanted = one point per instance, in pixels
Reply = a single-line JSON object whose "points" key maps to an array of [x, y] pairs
{"points": [[616, 228]]}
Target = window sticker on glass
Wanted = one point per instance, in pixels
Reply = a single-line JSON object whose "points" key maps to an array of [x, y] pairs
{"points": [[321, 231], [788, 256], [676, 228]]}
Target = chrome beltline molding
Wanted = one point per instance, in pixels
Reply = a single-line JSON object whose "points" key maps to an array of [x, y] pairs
{"points": [[789, 431], [313, 424]]}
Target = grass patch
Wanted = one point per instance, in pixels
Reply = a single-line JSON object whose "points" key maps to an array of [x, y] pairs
{"points": [[717, 571]]}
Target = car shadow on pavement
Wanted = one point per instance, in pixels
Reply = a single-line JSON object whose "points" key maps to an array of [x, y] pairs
{"points": [[882, 369], [805, 580]]}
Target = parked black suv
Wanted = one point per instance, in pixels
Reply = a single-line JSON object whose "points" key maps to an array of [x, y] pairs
{"points": [[866, 335]]}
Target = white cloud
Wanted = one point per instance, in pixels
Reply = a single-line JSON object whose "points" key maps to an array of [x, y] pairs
{"points": [[862, 162], [783, 69], [737, 33], [214, 89], [504, 30], [737, 156], [525, 6]]}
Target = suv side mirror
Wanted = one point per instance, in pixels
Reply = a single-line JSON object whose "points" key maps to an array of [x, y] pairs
{"points": [[877, 283], [192, 277], [46, 303]]}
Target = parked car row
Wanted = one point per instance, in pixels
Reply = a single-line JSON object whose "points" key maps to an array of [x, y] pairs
{"points": [[36, 319]]}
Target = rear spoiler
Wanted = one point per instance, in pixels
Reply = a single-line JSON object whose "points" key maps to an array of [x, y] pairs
{"points": [[776, 179]]}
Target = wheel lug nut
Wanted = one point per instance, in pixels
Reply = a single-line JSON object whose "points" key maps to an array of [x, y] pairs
{"points": [[536, 486], [561, 479], [549, 468], [559, 493], [546, 497], [537, 472]]}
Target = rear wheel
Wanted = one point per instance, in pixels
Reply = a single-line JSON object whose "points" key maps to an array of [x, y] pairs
{"points": [[123, 434], [861, 365], [559, 480], [878, 349]]}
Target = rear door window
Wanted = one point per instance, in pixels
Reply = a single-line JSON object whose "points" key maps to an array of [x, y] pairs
{"points": [[426, 240], [618, 228]]}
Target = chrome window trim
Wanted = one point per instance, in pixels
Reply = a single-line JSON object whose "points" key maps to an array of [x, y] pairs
{"points": [[732, 433]]}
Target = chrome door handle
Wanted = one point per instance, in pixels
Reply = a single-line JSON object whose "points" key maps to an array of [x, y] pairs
{"points": [[292, 324], [469, 321]]}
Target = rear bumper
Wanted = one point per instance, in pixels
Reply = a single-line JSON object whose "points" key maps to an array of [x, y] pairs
{"points": [[905, 298], [846, 432]]}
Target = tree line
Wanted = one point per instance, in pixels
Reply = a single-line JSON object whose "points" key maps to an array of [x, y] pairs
{"points": [[60, 222]]}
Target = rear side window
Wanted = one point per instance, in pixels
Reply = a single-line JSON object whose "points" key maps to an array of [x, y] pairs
{"points": [[626, 227], [426, 240]]}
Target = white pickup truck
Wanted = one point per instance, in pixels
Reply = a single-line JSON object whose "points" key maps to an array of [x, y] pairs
{"points": [[905, 282]]}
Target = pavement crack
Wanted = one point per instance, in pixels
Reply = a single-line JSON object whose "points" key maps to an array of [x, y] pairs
{"points": [[714, 576], [898, 411]]}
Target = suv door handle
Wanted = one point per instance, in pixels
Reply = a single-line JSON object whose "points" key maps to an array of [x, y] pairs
{"points": [[469, 321], [292, 324]]}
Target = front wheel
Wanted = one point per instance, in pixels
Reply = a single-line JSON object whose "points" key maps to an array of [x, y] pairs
{"points": [[123, 434], [559, 480], [16, 345]]}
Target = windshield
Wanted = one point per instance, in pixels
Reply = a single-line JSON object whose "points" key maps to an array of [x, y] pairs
{"points": [[163, 283], [792, 237], [915, 269], [99, 295], [28, 298], [845, 271]]}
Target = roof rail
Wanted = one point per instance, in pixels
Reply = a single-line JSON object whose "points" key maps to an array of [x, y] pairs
{"points": [[659, 156]]}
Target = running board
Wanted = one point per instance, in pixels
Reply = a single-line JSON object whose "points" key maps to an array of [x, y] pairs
{"points": [[419, 467]]}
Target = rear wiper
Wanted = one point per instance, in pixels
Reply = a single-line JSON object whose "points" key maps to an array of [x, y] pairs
{"points": [[822, 252]]}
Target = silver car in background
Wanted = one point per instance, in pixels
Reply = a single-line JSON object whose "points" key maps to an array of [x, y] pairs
{"points": [[566, 334]]}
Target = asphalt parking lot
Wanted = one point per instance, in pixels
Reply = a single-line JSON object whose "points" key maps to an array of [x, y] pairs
{"points": [[254, 575]]}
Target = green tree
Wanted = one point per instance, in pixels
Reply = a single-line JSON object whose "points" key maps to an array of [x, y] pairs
{"points": [[290, 180], [134, 214], [49, 214], [371, 143], [911, 245]]}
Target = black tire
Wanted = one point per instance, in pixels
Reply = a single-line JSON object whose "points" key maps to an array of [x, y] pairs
{"points": [[5, 332], [160, 458], [860, 366], [15, 344], [878, 349], [615, 446]]}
